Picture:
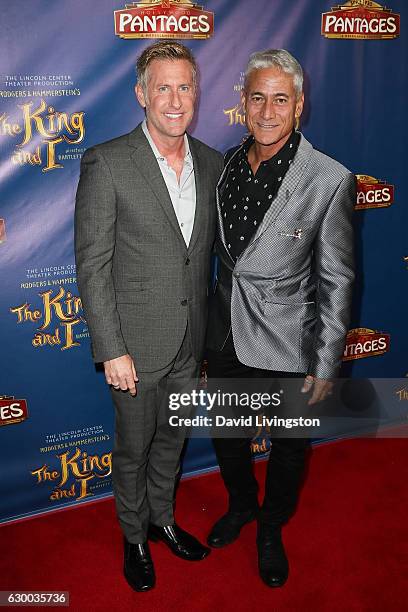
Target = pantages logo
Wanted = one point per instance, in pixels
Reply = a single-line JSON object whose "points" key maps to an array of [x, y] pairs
{"points": [[66, 308], [360, 19], [45, 124], [373, 193], [163, 19], [362, 342], [12, 410]]}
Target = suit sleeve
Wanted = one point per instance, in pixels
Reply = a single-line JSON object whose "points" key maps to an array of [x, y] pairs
{"points": [[334, 266], [95, 229]]}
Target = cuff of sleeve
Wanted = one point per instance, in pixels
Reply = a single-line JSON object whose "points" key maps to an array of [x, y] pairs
{"points": [[107, 353], [325, 369]]}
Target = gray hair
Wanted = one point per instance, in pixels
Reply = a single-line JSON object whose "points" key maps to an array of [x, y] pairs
{"points": [[276, 58]]}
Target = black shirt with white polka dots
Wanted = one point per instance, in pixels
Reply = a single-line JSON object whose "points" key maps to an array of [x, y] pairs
{"points": [[247, 197]]}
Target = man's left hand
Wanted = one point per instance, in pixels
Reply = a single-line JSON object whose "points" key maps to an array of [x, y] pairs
{"points": [[321, 388]]}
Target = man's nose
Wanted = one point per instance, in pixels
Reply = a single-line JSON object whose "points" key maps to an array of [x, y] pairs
{"points": [[268, 109], [175, 99]]}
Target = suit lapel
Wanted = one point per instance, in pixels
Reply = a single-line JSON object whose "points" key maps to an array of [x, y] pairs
{"points": [[221, 181], [200, 210], [146, 162]]}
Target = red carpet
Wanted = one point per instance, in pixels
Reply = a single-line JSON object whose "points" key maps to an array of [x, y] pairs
{"points": [[347, 545]]}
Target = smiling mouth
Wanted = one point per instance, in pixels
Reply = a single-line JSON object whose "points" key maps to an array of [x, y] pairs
{"points": [[267, 126], [173, 115]]}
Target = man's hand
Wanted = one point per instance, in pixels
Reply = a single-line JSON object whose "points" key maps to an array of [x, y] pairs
{"points": [[321, 388], [121, 374]]}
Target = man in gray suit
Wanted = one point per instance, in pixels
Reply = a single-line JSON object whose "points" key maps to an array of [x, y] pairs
{"points": [[284, 285], [144, 229]]}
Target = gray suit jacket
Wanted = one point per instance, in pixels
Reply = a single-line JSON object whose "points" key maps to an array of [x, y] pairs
{"points": [[138, 281], [288, 296]]}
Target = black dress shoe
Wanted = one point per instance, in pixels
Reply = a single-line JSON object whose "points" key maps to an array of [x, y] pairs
{"points": [[138, 566], [228, 527], [180, 542], [272, 560]]}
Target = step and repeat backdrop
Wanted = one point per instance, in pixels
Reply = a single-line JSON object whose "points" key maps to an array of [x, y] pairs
{"points": [[67, 76]]}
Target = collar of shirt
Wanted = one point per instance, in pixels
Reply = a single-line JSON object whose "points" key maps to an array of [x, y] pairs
{"points": [[188, 158], [286, 153]]}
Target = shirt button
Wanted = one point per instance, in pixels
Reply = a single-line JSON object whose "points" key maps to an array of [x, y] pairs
{"points": [[183, 302], [181, 224], [187, 262]]}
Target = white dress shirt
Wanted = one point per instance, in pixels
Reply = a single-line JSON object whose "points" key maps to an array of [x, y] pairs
{"points": [[183, 193]]}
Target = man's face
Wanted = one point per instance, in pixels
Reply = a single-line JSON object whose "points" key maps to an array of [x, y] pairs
{"points": [[271, 107], [169, 99]]}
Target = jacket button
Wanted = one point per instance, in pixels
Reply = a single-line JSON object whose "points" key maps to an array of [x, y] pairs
{"points": [[187, 261], [236, 274], [183, 302]]}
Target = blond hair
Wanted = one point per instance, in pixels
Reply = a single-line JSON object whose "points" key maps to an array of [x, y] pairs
{"points": [[163, 50]]}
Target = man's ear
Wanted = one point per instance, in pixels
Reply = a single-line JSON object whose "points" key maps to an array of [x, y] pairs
{"points": [[299, 105], [140, 95]]}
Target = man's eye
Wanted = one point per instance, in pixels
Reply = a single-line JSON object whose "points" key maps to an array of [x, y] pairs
{"points": [[163, 88], [256, 99], [185, 88], [280, 100]]}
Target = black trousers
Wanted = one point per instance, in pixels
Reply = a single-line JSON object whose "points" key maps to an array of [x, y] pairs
{"points": [[287, 456]]}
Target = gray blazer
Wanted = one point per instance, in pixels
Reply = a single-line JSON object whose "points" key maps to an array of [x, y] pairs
{"points": [[138, 281], [288, 296]]}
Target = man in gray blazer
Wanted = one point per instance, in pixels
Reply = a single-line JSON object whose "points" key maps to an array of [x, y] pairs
{"points": [[282, 300], [144, 229]]}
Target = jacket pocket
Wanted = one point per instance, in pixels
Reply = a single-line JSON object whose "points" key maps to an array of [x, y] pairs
{"points": [[133, 295], [295, 300]]}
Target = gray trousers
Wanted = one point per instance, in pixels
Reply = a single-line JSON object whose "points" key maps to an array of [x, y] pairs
{"points": [[146, 452]]}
